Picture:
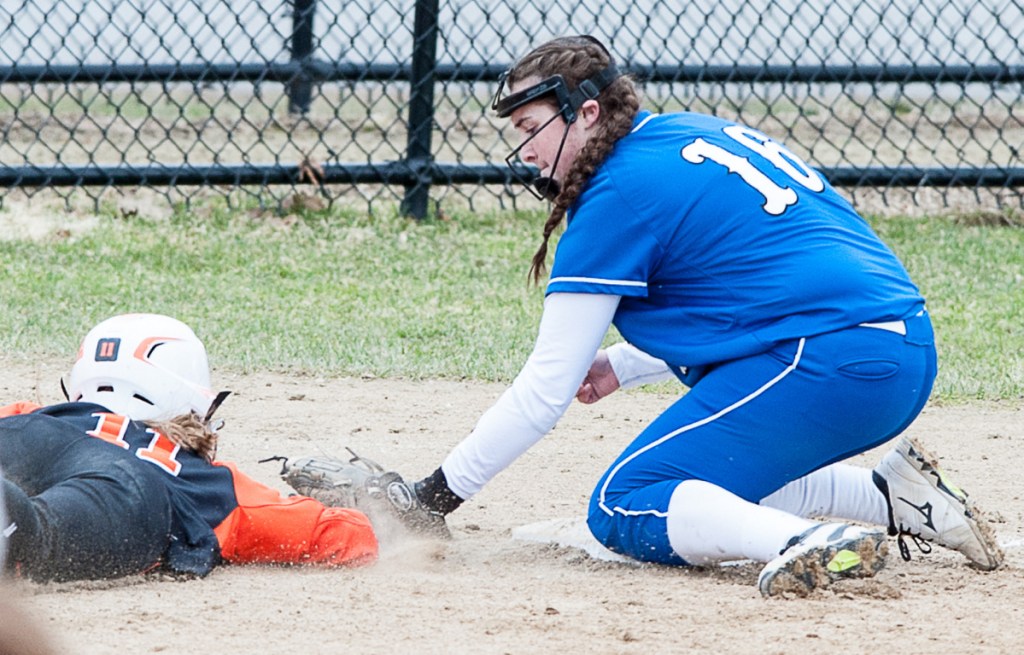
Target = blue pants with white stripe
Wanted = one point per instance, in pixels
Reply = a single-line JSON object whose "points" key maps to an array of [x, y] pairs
{"points": [[752, 425]]}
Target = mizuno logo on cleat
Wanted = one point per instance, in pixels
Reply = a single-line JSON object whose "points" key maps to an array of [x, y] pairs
{"points": [[925, 510]]}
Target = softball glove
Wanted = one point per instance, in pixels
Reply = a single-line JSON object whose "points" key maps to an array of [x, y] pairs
{"points": [[365, 485]]}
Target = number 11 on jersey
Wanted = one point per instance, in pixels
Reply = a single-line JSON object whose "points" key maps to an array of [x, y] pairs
{"points": [[160, 451]]}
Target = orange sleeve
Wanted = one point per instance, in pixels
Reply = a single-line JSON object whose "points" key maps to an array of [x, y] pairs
{"points": [[267, 527], [22, 407]]}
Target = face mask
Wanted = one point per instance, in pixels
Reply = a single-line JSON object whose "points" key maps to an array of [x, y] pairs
{"points": [[567, 102], [542, 187]]}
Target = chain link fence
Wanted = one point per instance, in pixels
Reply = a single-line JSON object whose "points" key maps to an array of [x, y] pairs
{"points": [[383, 102]]}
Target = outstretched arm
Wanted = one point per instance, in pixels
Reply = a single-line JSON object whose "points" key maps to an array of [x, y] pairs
{"points": [[571, 331], [267, 527]]}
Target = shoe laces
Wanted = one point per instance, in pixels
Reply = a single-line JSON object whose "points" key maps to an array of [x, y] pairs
{"points": [[922, 544], [901, 533]]}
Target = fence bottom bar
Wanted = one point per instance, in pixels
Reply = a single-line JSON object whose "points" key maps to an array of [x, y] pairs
{"points": [[400, 173]]}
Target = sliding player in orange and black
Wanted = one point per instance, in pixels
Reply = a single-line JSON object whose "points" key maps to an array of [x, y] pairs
{"points": [[124, 479]]}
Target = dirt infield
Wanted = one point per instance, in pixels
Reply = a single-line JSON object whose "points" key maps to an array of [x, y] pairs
{"points": [[485, 592]]}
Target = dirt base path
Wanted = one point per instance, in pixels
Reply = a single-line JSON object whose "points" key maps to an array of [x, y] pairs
{"points": [[485, 592]]}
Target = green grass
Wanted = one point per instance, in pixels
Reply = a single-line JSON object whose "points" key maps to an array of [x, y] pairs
{"points": [[973, 278], [339, 293], [331, 293]]}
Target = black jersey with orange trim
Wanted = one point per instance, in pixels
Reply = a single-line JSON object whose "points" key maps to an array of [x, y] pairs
{"points": [[77, 509], [202, 495], [221, 513]]}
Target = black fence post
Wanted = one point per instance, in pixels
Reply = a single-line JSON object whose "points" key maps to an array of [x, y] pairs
{"points": [[421, 108], [300, 90]]}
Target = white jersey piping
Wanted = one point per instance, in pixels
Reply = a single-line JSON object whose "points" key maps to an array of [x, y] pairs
{"points": [[598, 280], [686, 428], [642, 123]]}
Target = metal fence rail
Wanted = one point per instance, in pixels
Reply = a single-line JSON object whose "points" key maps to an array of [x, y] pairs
{"points": [[388, 102]]}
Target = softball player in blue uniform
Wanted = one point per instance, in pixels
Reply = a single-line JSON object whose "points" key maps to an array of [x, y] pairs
{"points": [[724, 260]]}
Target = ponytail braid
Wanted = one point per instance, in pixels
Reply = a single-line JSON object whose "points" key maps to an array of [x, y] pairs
{"points": [[191, 433]]}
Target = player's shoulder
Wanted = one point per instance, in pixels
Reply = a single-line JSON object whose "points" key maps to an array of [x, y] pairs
{"points": [[652, 125], [71, 409], [645, 167], [38, 424]]}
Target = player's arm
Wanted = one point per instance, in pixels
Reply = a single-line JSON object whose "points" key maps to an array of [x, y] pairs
{"points": [[570, 333], [267, 527], [622, 366], [633, 367]]}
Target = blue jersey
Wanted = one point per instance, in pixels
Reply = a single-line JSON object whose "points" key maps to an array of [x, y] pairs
{"points": [[723, 244]]}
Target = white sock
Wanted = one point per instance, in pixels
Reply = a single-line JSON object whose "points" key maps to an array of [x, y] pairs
{"points": [[838, 491], [707, 524]]}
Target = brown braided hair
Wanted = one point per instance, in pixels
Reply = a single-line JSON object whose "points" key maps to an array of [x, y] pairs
{"points": [[190, 432], [577, 58]]}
